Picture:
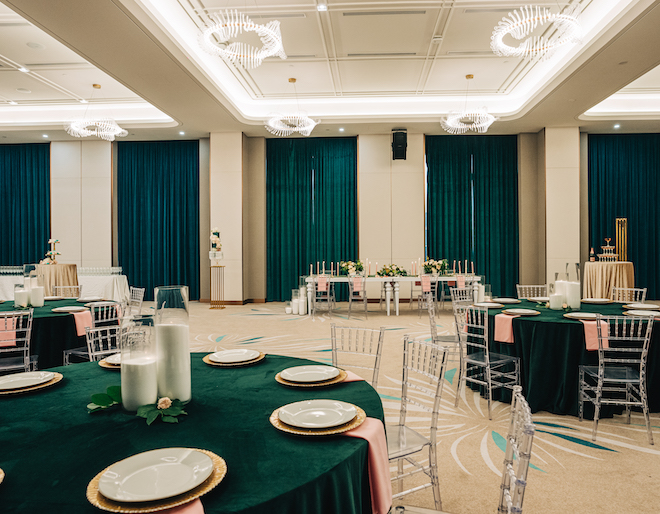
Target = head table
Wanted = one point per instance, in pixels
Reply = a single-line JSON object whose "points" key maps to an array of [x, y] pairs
{"points": [[52, 448]]}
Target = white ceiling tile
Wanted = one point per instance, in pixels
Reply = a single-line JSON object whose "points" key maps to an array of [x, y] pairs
{"points": [[380, 76], [311, 78], [448, 75], [10, 81]]}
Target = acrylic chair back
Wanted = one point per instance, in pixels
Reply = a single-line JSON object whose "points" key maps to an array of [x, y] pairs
{"points": [[15, 334], [472, 329], [461, 295], [628, 294], [135, 300], [531, 291], [517, 455], [357, 292], [358, 348], [623, 342], [67, 291], [105, 313], [102, 341]]}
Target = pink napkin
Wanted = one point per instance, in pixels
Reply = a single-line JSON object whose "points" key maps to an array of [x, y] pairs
{"points": [[591, 334], [8, 338], [379, 465], [352, 377], [357, 284], [426, 284], [323, 283], [460, 282], [83, 320], [504, 328], [194, 507]]}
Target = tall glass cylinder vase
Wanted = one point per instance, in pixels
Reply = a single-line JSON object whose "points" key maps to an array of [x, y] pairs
{"points": [[139, 380], [37, 291], [172, 344]]}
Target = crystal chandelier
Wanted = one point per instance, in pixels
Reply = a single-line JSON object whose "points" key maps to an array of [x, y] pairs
{"points": [[104, 127], [476, 119], [285, 125], [521, 24], [231, 23]]}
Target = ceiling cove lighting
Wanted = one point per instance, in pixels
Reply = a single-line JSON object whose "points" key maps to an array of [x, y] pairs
{"points": [[285, 125], [322, 8], [475, 119], [617, 126], [229, 24], [520, 24], [104, 127]]}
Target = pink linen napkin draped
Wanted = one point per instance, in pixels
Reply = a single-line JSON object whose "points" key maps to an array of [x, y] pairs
{"points": [[8, 337], [591, 334], [460, 282], [504, 328], [194, 507], [379, 465], [83, 320], [352, 377], [357, 283], [426, 284], [323, 283]]}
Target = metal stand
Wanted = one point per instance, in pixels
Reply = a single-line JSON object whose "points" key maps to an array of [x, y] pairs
{"points": [[217, 287]]}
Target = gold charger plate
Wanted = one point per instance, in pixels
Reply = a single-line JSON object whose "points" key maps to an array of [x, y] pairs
{"points": [[2, 476], [104, 364], [103, 503], [529, 312], [339, 378], [208, 361], [596, 301], [354, 423], [56, 378]]}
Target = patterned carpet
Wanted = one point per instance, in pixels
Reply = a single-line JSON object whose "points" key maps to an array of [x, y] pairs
{"points": [[569, 473]]}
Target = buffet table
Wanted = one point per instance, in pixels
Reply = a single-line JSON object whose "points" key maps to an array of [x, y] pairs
{"points": [[601, 277], [110, 287], [52, 448], [57, 275]]}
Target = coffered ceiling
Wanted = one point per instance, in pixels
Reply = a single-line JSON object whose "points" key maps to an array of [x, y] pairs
{"points": [[366, 67]]}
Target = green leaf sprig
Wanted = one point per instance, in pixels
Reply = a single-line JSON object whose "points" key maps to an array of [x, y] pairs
{"points": [[102, 401], [166, 409]]}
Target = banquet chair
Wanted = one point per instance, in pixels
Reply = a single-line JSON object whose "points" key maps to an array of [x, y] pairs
{"points": [[620, 377], [67, 291], [357, 292], [461, 296], [479, 365], [134, 305], [427, 295], [517, 455], [359, 348], [101, 342], [324, 294], [527, 291], [105, 313], [435, 338], [421, 389], [15, 334], [628, 294]]}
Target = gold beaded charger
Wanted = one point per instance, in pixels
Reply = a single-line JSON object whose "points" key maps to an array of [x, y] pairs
{"points": [[56, 378], [103, 503], [339, 378], [354, 423], [208, 361], [106, 365]]}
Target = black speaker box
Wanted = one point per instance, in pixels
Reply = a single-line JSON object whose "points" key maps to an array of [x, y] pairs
{"points": [[399, 145]]}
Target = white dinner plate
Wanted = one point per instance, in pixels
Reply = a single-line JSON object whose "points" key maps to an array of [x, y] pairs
{"points": [[53, 298], [540, 299], [317, 413], [71, 308], [640, 312], [90, 299], [114, 359], [521, 312], [27, 379], [506, 300], [649, 306], [489, 305], [309, 374], [596, 300], [234, 356], [581, 315], [155, 475]]}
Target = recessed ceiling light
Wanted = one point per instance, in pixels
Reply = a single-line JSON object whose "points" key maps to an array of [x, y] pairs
{"points": [[36, 46], [617, 126], [322, 7], [83, 101], [23, 90], [341, 129], [44, 135], [23, 69], [11, 102], [182, 133]]}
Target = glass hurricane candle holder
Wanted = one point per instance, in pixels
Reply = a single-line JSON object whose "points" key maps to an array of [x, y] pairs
{"points": [[139, 384]]}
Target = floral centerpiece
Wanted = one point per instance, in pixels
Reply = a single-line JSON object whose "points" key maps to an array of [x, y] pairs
{"points": [[216, 244], [351, 268], [392, 270], [432, 266]]}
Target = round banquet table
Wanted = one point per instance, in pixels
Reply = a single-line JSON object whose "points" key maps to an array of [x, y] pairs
{"points": [[551, 348], [52, 448]]}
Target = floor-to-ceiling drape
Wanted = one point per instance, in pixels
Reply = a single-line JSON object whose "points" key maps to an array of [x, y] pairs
{"points": [[472, 205], [624, 182], [158, 213], [24, 203], [311, 198]]}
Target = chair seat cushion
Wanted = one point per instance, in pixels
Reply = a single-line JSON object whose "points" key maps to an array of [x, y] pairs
{"points": [[402, 441]]}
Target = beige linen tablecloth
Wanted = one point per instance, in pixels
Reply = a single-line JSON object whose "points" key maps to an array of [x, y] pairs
{"points": [[601, 277], [58, 275]]}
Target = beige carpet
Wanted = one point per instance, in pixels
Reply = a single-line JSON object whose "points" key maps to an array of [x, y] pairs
{"points": [[620, 473]]}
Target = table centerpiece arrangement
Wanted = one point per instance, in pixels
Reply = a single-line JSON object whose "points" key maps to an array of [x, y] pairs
{"points": [[436, 267], [392, 270], [351, 268]]}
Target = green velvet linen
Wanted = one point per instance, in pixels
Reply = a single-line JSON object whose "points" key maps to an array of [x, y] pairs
{"points": [[24, 203], [311, 209], [551, 349], [52, 332], [624, 181], [51, 447], [472, 205], [158, 213]]}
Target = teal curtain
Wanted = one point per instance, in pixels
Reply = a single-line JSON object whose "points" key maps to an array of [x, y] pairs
{"points": [[158, 213], [624, 182], [311, 205], [472, 205], [24, 203]]}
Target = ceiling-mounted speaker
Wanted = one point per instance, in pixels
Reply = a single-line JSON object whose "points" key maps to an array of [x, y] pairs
{"points": [[399, 144]]}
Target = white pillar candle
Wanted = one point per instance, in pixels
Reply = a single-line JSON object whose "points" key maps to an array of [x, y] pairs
{"points": [[138, 382], [302, 305], [173, 356], [295, 306], [556, 301], [37, 296], [573, 294], [21, 298], [560, 288], [481, 293]]}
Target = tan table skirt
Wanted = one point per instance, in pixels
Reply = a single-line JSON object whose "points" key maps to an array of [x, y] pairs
{"points": [[58, 275], [601, 277]]}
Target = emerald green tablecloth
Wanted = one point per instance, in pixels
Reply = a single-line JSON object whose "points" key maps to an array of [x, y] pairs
{"points": [[51, 448], [551, 348]]}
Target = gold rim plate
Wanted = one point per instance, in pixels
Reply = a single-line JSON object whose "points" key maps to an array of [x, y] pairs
{"points": [[208, 361], [530, 312], [106, 365], [2, 475], [354, 423], [56, 378], [103, 503], [339, 378], [596, 301]]}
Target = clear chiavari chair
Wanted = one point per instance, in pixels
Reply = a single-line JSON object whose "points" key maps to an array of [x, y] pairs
{"points": [[101, 342], [628, 294], [358, 348], [357, 292], [531, 291], [461, 295], [67, 291], [15, 335], [324, 294], [105, 313], [136, 297]]}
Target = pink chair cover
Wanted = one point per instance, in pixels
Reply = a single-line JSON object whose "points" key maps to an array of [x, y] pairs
{"points": [[379, 465], [352, 377], [426, 284], [194, 507], [504, 328], [323, 284], [591, 334], [8, 337], [83, 320], [460, 281]]}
